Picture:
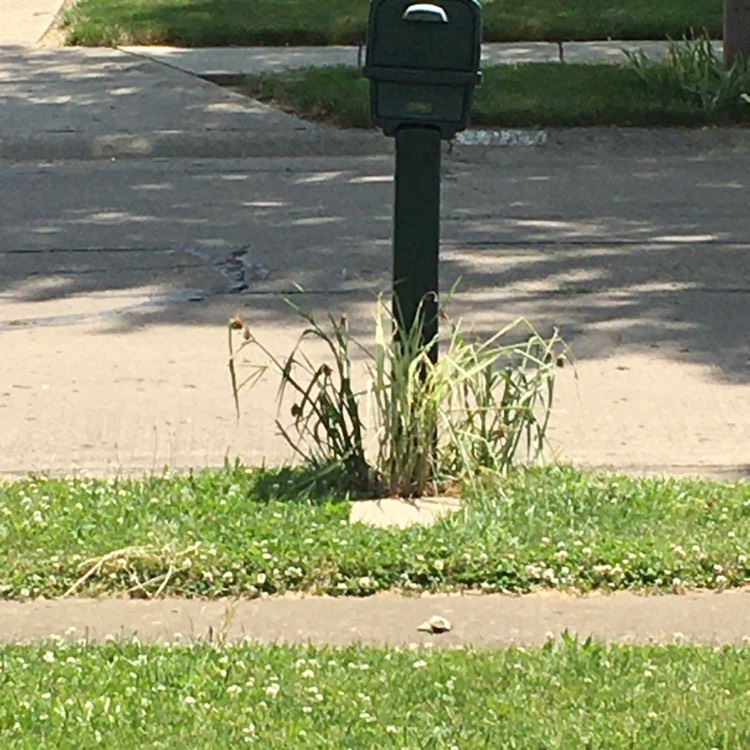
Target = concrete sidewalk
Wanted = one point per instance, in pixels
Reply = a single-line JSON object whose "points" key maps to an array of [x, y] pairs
{"points": [[227, 64], [486, 621]]}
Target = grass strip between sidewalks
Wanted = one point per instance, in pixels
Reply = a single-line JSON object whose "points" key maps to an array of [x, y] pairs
{"points": [[197, 23], [538, 94], [240, 532], [564, 695]]}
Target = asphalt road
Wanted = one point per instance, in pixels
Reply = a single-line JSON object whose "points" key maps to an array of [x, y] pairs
{"points": [[635, 246]]}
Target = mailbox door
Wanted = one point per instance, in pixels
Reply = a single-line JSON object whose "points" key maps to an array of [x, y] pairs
{"points": [[420, 44]]}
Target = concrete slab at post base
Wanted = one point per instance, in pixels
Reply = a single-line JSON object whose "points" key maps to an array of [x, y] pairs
{"points": [[401, 513]]}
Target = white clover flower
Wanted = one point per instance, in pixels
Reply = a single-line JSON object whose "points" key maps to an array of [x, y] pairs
{"points": [[308, 673], [260, 579], [439, 565], [306, 709], [234, 690], [49, 657], [189, 700], [391, 729], [273, 690], [419, 664]]}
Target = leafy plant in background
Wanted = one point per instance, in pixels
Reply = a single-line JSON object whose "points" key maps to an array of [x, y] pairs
{"points": [[426, 424], [693, 68]]}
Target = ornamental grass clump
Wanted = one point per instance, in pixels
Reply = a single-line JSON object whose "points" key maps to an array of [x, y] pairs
{"points": [[403, 425], [692, 68]]}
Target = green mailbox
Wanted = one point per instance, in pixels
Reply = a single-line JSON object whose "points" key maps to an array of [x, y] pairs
{"points": [[423, 63]]}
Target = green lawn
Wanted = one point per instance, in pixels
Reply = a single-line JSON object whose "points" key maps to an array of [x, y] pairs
{"points": [[510, 96], [203, 23], [564, 695], [238, 532]]}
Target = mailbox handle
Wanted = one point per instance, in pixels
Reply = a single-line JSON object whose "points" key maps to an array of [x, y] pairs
{"points": [[425, 12]]}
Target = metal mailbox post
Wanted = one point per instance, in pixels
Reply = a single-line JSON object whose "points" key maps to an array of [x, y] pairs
{"points": [[423, 64]]}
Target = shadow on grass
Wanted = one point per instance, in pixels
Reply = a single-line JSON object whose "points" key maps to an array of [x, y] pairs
{"points": [[297, 484]]}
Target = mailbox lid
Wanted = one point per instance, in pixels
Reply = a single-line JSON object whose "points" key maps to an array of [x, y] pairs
{"points": [[394, 41]]}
